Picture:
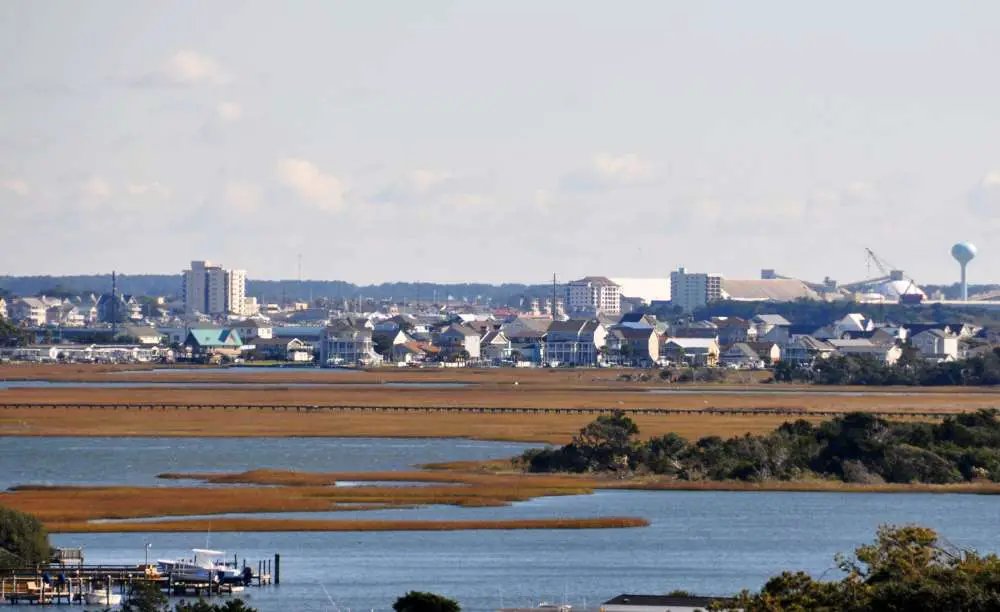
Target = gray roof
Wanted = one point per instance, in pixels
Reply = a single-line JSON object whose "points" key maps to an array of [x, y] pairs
{"points": [[772, 319], [666, 601], [744, 349], [460, 329]]}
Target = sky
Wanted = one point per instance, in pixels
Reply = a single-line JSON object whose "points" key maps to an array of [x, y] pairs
{"points": [[453, 141]]}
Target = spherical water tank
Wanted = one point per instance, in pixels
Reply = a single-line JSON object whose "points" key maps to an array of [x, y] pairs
{"points": [[963, 252]]}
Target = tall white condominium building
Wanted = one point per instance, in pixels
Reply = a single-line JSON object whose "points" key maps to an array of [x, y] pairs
{"points": [[213, 290], [593, 295], [690, 291]]}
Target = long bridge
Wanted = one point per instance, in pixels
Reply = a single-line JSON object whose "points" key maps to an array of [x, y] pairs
{"points": [[333, 408]]}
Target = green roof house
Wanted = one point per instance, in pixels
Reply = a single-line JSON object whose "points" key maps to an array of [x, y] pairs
{"points": [[206, 342]]}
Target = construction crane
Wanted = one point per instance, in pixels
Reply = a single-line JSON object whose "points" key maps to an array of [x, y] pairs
{"points": [[889, 272]]}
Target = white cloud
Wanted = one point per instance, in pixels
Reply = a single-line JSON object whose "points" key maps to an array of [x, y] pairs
{"points": [[607, 171], [984, 199], [189, 67], [18, 186], [622, 170], [152, 189], [423, 181], [96, 187], [324, 191], [243, 197], [229, 112]]}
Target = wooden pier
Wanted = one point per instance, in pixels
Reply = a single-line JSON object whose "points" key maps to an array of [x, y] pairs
{"points": [[651, 411], [56, 585]]}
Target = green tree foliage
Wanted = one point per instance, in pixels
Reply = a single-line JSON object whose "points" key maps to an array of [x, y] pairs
{"points": [[145, 597], [905, 569], [232, 605], [857, 447], [23, 540], [605, 444], [10, 335], [418, 601]]}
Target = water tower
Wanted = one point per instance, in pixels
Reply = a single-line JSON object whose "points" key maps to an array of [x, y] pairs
{"points": [[964, 252]]}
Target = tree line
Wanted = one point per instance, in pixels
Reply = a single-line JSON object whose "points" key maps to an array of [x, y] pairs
{"points": [[855, 448], [909, 370]]}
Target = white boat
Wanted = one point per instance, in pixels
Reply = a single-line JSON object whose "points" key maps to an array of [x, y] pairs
{"points": [[103, 598], [204, 566]]}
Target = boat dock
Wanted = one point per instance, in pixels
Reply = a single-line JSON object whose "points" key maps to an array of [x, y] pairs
{"points": [[110, 584]]}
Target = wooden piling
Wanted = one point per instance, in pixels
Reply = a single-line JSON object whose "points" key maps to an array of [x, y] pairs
{"points": [[277, 569]]}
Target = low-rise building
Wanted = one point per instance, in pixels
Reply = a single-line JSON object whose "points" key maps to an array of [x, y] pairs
{"points": [[574, 342], [741, 356], [936, 345], [805, 350], [495, 346], [694, 351], [885, 354], [638, 346], [29, 311], [146, 336], [251, 329], [210, 343], [769, 352], [458, 338], [282, 349], [731, 330], [346, 344]]}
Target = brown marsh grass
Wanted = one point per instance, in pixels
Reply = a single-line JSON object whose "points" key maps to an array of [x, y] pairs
{"points": [[227, 524]]}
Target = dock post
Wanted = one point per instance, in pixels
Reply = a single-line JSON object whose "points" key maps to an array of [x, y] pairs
{"points": [[277, 569]]}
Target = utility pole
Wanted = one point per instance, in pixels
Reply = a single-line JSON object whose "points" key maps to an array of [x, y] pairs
{"points": [[553, 296], [114, 305]]}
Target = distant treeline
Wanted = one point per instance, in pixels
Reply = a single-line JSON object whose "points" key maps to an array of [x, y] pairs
{"points": [[856, 448], [275, 290]]}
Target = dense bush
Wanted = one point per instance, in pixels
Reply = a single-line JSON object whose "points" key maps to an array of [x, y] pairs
{"points": [[23, 540], [907, 568], [857, 447]]}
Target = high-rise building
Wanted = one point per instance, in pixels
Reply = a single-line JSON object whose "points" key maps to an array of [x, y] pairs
{"points": [[690, 291], [593, 295], [213, 290]]}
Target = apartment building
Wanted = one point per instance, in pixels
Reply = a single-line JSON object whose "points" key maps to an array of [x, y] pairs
{"points": [[593, 295], [210, 289], [694, 290]]}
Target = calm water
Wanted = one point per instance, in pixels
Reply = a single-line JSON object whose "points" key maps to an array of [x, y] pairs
{"points": [[709, 542], [137, 461], [115, 384]]}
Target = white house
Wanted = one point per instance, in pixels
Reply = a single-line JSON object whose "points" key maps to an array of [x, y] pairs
{"points": [[495, 346], [251, 329], [936, 345], [574, 342], [29, 310], [458, 337], [887, 354], [772, 328], [344, 343]]}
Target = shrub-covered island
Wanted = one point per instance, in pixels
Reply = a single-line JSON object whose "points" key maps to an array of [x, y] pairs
{"points": [[855, 448]]}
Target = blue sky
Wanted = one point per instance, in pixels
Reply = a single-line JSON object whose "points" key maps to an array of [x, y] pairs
{"points": [[498, 141]]}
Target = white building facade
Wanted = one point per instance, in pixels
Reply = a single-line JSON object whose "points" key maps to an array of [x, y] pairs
{"points": [[694, 290], [213, 290], [594, 295]]}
